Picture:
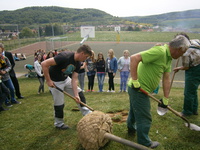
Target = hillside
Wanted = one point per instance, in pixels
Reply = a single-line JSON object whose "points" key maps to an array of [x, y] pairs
{"points": [[188, 19], [76, 17], [53, 14]]}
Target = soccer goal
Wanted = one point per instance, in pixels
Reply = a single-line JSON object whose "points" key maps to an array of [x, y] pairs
{"points": [[56, 43]]}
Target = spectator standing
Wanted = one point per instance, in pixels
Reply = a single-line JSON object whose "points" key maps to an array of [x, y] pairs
{"points": [[4, 93], [5, 67], [38, 70], [147, 68], [81, 75], [124, 69], [12, 72], [91, 71], [191, 65], [100, 66], [50, 54], [111, 69]]}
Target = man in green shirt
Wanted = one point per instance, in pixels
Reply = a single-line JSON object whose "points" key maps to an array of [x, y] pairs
{"points": [[147, 68]]}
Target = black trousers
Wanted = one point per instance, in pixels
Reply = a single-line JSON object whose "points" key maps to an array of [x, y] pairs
{"points": [[111, 82], [91, 82], [16, 85]]}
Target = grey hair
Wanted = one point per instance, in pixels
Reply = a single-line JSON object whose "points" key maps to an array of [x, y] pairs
{"points": [[1, 45], [180, 41]]}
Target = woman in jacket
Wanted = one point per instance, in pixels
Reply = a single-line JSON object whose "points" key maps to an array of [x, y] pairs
{"points": [[111, 68], [91, 71]]}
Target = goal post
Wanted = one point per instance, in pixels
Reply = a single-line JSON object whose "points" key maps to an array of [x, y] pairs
{"points": [[117, 30], [56, 43]]}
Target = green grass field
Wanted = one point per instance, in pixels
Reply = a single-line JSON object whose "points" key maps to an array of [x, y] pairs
{"points": [[29, 126]]}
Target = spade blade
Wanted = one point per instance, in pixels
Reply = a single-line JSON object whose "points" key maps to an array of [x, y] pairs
{"points": [[162, 111]]}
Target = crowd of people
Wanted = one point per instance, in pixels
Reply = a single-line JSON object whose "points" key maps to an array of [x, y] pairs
{"points": [[63, 70], [92, 67], [101, 67], [9, 86]]}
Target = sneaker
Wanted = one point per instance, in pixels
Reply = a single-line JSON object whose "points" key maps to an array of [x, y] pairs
{"points": [[8, 104], [112, 91], [154, 144], [88, 90], [15, 102], [108, 91], [63, 127], [92, 90]]}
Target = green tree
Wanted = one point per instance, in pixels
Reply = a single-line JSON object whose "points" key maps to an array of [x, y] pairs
{"points": [[26, 32], [48, 30], [130, 28]]}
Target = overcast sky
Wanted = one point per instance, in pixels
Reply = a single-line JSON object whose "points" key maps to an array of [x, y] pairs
{"points": [[120, 8]]}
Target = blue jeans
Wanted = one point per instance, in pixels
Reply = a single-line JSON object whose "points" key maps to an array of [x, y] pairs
{"points": [[100, 77], [124, 77], [10, 86]]}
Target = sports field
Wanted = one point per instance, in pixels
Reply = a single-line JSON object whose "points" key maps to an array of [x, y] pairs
{"points": [[133, 47]]}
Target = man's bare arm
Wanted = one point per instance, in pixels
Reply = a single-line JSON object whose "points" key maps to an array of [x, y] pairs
{"points": [[45, 68]]}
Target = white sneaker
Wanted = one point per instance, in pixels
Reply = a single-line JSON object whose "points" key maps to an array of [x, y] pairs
{"points": [[108, 91], [112, 91], [84, 110]]}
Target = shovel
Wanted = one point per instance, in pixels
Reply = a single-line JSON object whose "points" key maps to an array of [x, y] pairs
{"points": [[162, 111], [187, 124], [59, 89]]}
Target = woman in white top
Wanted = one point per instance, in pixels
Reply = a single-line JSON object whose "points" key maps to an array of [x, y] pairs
{"points": [[38, 70], [124, 69]]}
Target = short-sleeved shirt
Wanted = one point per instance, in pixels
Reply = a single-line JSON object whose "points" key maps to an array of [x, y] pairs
{"points": [[155, 62], [91, 66], [191, 57], [65, 65]]}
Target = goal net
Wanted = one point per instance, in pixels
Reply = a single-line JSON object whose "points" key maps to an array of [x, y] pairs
{"points": [[56, 43]]}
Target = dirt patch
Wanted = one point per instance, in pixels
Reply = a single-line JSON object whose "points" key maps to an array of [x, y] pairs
{"points": [[119, 117]]}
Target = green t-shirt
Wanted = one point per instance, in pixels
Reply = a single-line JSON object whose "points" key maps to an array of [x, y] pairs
{"points": [[155, 62]]}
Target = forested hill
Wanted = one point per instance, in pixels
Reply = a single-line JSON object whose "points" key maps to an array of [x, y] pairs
{"points": [[191, 17], [77, 17], [42, 15]]}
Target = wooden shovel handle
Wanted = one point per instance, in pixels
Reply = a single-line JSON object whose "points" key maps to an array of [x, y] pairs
{"points": [[174, 73], [168, 107], [59, 89]]}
